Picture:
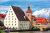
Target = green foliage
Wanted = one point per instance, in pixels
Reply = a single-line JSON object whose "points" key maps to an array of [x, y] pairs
{"points": [[1, 31], [1, 23]]}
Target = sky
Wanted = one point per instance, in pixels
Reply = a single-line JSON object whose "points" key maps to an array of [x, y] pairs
{"points": [[39, 8]]}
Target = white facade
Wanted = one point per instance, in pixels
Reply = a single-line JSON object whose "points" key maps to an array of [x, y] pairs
{"points": [[11, 20]]}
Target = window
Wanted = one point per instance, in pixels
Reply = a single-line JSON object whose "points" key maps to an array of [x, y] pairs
{"points": [[15, 24], [12, 24], [27, 27], [15, 21], [41, 21], [13, 27], [21, 24], [12, 14], [24, 24], [28, 14], [34, 19], [15, 18]]}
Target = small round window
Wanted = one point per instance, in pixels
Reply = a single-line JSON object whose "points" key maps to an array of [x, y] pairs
{"points": [[28, 14]]}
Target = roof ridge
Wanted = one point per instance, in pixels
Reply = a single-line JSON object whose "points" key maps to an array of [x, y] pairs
{"points": [[13, 6]]}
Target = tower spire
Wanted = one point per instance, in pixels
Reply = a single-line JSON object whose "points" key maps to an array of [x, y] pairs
{"points": [[28, 6]]}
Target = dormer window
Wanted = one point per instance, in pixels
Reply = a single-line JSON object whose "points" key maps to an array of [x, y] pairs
{"points": [[28, 14]]}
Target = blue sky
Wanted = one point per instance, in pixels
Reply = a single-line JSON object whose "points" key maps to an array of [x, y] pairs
{"points": [[40, 8]]}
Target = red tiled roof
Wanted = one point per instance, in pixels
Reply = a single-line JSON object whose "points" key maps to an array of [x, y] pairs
{"points": [[33, 16], [2, 16], [28, 11], [3, 26], [41, 20], [39, 17]]}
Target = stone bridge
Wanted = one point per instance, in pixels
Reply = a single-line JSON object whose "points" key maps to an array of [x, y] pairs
{"points": [[42, 26]]}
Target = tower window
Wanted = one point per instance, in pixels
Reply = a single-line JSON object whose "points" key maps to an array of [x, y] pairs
{"points": [[28, 14]]}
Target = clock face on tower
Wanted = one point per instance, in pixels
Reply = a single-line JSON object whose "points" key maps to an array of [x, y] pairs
{"points": [[28, 14]]}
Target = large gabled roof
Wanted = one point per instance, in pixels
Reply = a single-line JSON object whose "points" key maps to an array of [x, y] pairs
{"points": [[19, 13]]}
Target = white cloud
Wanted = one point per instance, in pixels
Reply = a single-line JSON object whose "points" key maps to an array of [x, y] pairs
{"points": [[42, 12], [3, 8], [2, 12]]}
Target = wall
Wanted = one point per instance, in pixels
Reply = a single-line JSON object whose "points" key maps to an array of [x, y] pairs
{"points": [[24, 25]]}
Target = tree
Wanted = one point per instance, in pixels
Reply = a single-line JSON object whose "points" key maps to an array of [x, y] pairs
{"points": [[1, 23]]}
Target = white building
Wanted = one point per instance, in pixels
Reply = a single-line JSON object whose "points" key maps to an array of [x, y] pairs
{"points": [[15, 19]]}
